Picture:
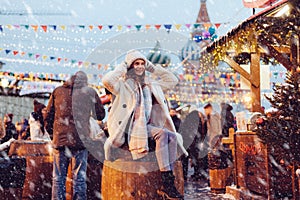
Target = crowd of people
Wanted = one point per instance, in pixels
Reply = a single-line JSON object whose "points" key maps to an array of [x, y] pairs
{"points": [[202, 133], [25, 129], [138, 110]]}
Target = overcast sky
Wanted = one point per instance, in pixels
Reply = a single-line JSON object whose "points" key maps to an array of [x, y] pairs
{"points": [[101, 12]]}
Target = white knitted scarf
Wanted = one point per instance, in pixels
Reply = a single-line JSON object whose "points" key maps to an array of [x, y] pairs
{"points": [[138, 137]]}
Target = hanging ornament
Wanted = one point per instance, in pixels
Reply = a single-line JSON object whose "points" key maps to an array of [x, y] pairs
{"points": [[214, 37], [212, 30], [206, 35], [198, 38]]}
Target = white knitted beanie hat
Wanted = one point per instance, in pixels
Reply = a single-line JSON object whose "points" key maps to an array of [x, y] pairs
{"points": [[133, 55]]}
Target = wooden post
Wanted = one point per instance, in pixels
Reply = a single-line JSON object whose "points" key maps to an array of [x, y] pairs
{"points": [[255, 76], [295, 49]]}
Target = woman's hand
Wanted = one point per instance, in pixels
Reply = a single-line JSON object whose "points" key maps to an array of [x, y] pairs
{"points": [[124, 64], [149, 66]]}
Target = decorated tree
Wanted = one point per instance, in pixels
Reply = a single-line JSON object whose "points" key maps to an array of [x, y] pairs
{"points": [[281, 131]]}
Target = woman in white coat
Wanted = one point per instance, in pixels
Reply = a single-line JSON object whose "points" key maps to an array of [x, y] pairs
{"points": [[36, 123], [140, 111]]}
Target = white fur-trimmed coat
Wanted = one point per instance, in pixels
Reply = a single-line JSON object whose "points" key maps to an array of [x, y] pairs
{"points": [[125, 102]]}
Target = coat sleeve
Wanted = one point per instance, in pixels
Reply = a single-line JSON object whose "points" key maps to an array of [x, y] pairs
{"points": [[111, 80], [49, 115], [165, 78]]}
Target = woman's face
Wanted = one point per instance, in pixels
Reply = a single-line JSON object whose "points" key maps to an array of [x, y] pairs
{"points": [[139, 67]]}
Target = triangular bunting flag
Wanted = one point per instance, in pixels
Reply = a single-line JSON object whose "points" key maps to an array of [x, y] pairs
{"points": [[157, 26], [86, 64], [110, 26], [22, 53], [52, 57], [79, 63], [188, 25], [26, 26], [128, 26], [119, 27], [15, 52], [9, 26], [99, 66], [44, 27], [81, 26], [1, 29], [34, 27], [73, 61], [91, 27], [17, 26], [30, 54], [196, 25], [37, 56], [7, 51], [168, 26], [218, 25], [138, 27], [147, 26], [177, 26], [53, 26], [206, 26], [44, 57], [66, 59], [100, 27], [63, 27], [58, 59]]}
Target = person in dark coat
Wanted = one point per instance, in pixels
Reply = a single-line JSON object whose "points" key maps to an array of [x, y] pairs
{"points": [[67, 118], [10, 128], [199, 149], [10, 131], [194, 130], [176, 120], [227, 119]]}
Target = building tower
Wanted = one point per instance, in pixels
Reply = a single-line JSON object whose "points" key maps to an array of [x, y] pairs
{"points": [[190, 56], [190, 53]]}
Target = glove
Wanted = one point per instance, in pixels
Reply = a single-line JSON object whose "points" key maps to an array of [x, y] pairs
{"points": [[149, 67], [124, 64]]}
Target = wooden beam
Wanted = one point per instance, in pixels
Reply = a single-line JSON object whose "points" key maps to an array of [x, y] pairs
{"points": [[277, 55], [240, 70]]}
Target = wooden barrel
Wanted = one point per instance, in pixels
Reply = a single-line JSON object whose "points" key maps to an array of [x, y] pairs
{"points": [[218, 179], [39, 161], [135, 180]]}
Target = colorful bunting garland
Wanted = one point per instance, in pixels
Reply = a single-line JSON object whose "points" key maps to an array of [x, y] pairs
{"points": [[138, 27], [43, 76], [86, 64]]}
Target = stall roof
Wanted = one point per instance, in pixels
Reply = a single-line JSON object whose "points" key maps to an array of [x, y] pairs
{"points": [[272, 33], [244, 24]]}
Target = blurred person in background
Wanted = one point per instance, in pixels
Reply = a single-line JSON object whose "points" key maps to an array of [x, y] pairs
{"points": [[67, 117]]}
